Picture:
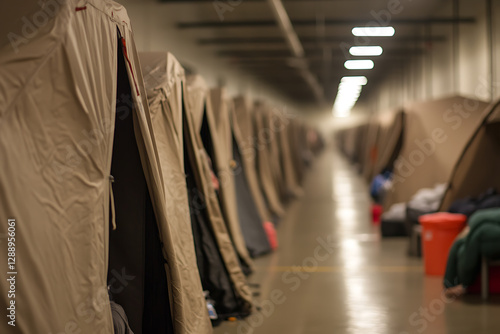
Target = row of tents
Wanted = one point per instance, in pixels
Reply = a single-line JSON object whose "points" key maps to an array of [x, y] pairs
{"points": [[452, 141], [127, 180]]}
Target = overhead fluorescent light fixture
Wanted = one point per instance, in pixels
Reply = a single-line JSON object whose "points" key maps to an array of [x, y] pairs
{"points": [[355, 79], [366, 50], [359, 64], [373, 31]]}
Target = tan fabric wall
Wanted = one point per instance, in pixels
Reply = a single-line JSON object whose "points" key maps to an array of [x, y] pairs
{"points": [[383, 136], [282, 126], [159, 186], [58, 143], [195, 88], [242, 134], [479, 164], [434, 138], [391, 128], [297, 144], [164, 78], [354, 142], [371, 149], [267, 179], [217, 111], [361, 145], [270, 136], [384, 131], [349, 140]]}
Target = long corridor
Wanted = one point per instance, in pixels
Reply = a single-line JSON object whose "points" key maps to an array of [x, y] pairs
{"points": [[148, 149], [334, 274]]}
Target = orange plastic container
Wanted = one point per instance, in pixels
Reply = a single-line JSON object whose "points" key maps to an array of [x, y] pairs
{"points": [[439, 230]]}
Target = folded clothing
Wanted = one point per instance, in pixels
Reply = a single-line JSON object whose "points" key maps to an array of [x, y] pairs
{"points": [[397, 212], [428, 199]]}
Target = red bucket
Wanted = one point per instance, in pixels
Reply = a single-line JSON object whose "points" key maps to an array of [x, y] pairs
{"points": [[376, 213], [271, 235], [439, 231]]}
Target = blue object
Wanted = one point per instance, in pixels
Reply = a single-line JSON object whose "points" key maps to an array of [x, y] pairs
{"points": [[377, 189]]}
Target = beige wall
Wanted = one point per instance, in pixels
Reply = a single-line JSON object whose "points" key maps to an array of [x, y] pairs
{"points": [[426, 76], [434, 74]]}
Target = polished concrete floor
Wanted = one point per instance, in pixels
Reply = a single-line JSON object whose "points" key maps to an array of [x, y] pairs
{"points": [[334, 274]]}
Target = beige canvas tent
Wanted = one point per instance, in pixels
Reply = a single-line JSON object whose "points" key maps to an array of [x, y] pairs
{"points": [[244, 120], [243, 134], [370, 150], [479, 164], [389, 140], [436, 133], [60, 144], [316, 141], [297, 137], [349, 136], [276, 125], [385, 143], [340, 137], [204, 201], [270, 136], [361, 145], [281, 123], [353, 142], [217, 138], [265, 164], [253, 215], [164, 80]]}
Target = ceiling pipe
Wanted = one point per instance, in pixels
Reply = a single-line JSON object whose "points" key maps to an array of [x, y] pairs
{"points": [[327, 22], [286, 27], [315, 40], [296, 48]]}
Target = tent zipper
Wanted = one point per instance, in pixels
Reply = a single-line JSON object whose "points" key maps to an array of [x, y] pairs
{"points": [[112, 202]]}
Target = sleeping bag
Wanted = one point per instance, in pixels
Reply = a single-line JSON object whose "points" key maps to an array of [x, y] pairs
{"points": [[464, 259]]}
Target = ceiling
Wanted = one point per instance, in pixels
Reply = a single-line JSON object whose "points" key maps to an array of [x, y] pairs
{"points": [[245, 34]]}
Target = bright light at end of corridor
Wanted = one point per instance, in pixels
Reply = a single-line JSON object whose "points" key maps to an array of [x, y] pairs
{"points": [[373, 31], [348, 93]]}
